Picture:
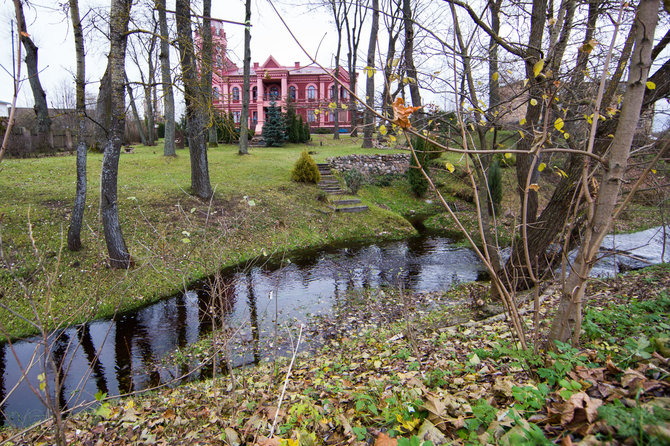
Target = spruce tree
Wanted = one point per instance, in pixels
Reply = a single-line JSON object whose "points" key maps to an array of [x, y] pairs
{"points": [[301, 130], [274, 129]]}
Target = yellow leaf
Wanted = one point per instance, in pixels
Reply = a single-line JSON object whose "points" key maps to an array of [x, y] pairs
{"points": [[521, 133], [533, 102], [344, 106], [450, 167], [317, 111], [523, 121], [651, 85], [566, 135], [370, 71], [495, 76], [392, 138], [558, 124], [508, 155], [541, 167], [332, 105], [653, 171], [534, 186], [525, 82], [537, 68], [382, 130]]}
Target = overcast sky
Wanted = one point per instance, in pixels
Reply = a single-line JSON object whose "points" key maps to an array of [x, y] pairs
{"points": [[51, 31]]}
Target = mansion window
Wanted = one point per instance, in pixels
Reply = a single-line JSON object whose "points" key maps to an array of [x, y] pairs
{"points": [[215, 93], [236, 94], [254, 94], [274, 92], [292, 93], [236, 117], [255, 117], [332, 92], [311, 92], [311, 117]]}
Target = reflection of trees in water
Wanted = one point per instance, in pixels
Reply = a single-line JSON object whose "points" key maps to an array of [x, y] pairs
{"points": [[182, 327], [123, 337], [3, 418], [58, 355], [253, 319], [94, 364]]}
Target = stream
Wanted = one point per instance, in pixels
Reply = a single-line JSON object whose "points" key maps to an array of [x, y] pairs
{"points": [[256, 299]]}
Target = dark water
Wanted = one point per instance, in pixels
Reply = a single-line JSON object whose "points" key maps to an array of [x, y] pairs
{"points": [[125, 355]]}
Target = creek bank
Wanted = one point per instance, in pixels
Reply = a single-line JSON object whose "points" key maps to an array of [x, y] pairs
{"points": [[421, 377]]}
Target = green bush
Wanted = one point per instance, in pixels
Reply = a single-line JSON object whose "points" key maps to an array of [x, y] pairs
{"points": [[305, 169], [354, 179], [495, 187], [274, 129], [161, 130], [424, 152]]}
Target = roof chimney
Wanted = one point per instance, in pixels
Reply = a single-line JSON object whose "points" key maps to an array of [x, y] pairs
{"points": [[297, 64], [255, 65]]}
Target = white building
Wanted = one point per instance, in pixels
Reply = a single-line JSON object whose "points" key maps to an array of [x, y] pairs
{"points": [[4, 109]]}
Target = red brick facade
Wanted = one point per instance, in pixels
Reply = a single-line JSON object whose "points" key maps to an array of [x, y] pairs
{"points": [[310, 88]]}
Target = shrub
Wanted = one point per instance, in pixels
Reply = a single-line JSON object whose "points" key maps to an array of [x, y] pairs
{"points": [[274, 129], [161, 130], [305, 169], [495, 187], [425, 153], [353, 178]]}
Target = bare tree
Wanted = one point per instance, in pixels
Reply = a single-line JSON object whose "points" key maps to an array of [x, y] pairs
{"points": [[354, 27], [195, 117], [74, 232], [39, 96], [118, 33], [166, 85], [408, 49], [244, 118], [136, 115], [206, 68], [369, 124]]}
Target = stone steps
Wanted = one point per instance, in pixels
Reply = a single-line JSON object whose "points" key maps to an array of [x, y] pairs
{"points": [[331, 186]]}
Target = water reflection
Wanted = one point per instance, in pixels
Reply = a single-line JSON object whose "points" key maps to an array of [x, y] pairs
{"points": [[125, 355]]}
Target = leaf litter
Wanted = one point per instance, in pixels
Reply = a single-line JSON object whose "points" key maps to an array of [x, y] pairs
{"points": [[394, 369]]}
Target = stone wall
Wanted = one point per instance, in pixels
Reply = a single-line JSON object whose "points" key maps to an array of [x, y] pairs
{"points": [[371, 165]]}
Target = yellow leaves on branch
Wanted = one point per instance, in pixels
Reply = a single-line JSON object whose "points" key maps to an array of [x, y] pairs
{"points": [[537, 68], [450, 167], [588, 46], [558, 124], [651, 85], [370, 71], [382, 130], [401, 113]]}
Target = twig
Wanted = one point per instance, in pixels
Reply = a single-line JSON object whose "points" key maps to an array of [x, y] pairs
{"points": [[288, 374]]}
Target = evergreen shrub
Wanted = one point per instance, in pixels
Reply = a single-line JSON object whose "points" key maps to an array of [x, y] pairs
{"points": [[305, 169], [354, 179]]}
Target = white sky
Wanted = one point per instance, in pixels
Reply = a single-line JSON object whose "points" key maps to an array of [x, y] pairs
{"points": [[52, 33]]}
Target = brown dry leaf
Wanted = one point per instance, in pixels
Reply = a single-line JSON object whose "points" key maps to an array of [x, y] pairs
{"points": [[385, 440], [401, 113], [632, 377], [566, 441], [268, 442], [580, 407]]}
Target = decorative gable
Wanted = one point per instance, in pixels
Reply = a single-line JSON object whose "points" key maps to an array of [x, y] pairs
{"points": [[271, 62]]}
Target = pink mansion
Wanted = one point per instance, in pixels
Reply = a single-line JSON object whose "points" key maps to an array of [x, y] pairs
{"points": [[311, 89]]}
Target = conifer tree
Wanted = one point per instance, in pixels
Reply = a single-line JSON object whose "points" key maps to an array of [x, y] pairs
{"points": [[274, 129]]}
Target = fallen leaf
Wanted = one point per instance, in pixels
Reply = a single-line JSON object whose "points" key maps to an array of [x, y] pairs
{"points": [[385, 440]]}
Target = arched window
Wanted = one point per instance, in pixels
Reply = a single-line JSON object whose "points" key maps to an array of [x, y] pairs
{"points": [[215, 93], [236, 94], [254, 94], [311, 92], [274, 92], [311, 116], [292, 93], [343, 93], [332, 92]]}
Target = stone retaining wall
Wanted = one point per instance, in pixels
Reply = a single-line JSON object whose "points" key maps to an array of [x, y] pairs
{"points": [[371, 165]]}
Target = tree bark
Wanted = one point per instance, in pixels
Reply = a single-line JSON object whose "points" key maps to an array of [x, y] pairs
{"points": [[206, 70], [567, 322], [410, 68], [337, 6], [244, 118], [74, 231], [39, 96], [103, 108], [148, 86], [133, 107], [118, 32], [196, 128], [369, 125], [168, 95]]}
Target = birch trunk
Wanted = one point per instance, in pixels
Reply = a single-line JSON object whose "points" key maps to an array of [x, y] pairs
{"points": [[369, 124], [244, 118], [168, 95]]}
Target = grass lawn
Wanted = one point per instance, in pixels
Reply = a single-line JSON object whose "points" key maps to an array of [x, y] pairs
{"points": [[173, 237]]}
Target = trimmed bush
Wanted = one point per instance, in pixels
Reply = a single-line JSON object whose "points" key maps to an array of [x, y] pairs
{"points": [[305, 169]]}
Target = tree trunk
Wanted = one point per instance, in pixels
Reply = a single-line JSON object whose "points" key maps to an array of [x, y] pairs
{"points": [[369, 125], [103, 108], [168, 96], [133, 107], [151, 135], [116, 246], [74, 232], [567, 322], [39, 96], [410, 69], [244, 118], [196, 129], [206, 69]]}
